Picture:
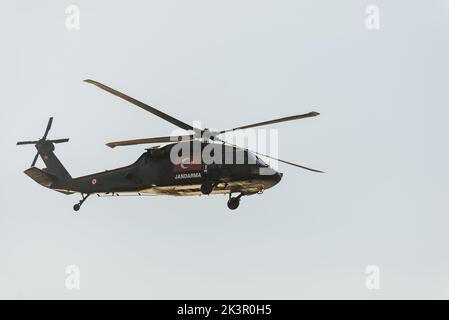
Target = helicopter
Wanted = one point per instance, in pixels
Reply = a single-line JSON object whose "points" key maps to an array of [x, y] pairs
{"points": [[176, 167]]}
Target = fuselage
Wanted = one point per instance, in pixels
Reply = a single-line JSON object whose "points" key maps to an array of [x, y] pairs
{"points": [[170, 170]]}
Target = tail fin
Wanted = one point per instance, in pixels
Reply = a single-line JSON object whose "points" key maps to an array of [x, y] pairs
{"points": [[52, 163]]}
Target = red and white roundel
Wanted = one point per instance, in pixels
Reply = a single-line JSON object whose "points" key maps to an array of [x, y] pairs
{"points": [[94, 181]]}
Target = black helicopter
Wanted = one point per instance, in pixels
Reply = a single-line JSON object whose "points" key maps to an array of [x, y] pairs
{"points": [[166, 169]]}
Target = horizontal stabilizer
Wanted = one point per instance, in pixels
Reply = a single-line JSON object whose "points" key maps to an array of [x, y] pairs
{"points": [[43, 178]]}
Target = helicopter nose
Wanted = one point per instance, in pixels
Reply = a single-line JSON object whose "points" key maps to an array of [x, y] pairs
{"points": [[275, 177], [269, 174], [278, 176]]}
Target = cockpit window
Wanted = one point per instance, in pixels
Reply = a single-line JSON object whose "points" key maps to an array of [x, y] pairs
{"points": [[260, 162], [251, 158], [157, 153]]}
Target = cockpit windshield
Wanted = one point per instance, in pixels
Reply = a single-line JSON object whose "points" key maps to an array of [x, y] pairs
{"points": [[260, 162]]}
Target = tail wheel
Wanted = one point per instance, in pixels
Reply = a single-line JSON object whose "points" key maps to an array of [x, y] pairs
{"points": [[233, 203], [77, 206]]}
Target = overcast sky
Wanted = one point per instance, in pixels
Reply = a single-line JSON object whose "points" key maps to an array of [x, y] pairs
{"points": [[382, 138]]}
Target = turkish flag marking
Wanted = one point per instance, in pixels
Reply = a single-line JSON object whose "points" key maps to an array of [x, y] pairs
{"points": [[188, 164]]}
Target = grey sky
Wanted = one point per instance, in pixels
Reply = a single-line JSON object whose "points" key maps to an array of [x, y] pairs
{"points": [[382, 138]]}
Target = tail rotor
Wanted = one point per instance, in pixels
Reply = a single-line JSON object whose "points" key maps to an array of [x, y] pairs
{"points": [[42, 140]]}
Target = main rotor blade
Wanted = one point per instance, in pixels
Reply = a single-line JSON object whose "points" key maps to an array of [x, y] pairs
{"points": [[142, 105], [34, 160], [21, 143], [60, 140], [150, 140], [264, 123], [264, 155], [50, 122]]}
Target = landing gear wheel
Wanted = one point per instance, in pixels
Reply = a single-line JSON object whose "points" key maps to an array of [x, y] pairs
{"points": [[77, 206], [233, 203], [206, 188]]}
